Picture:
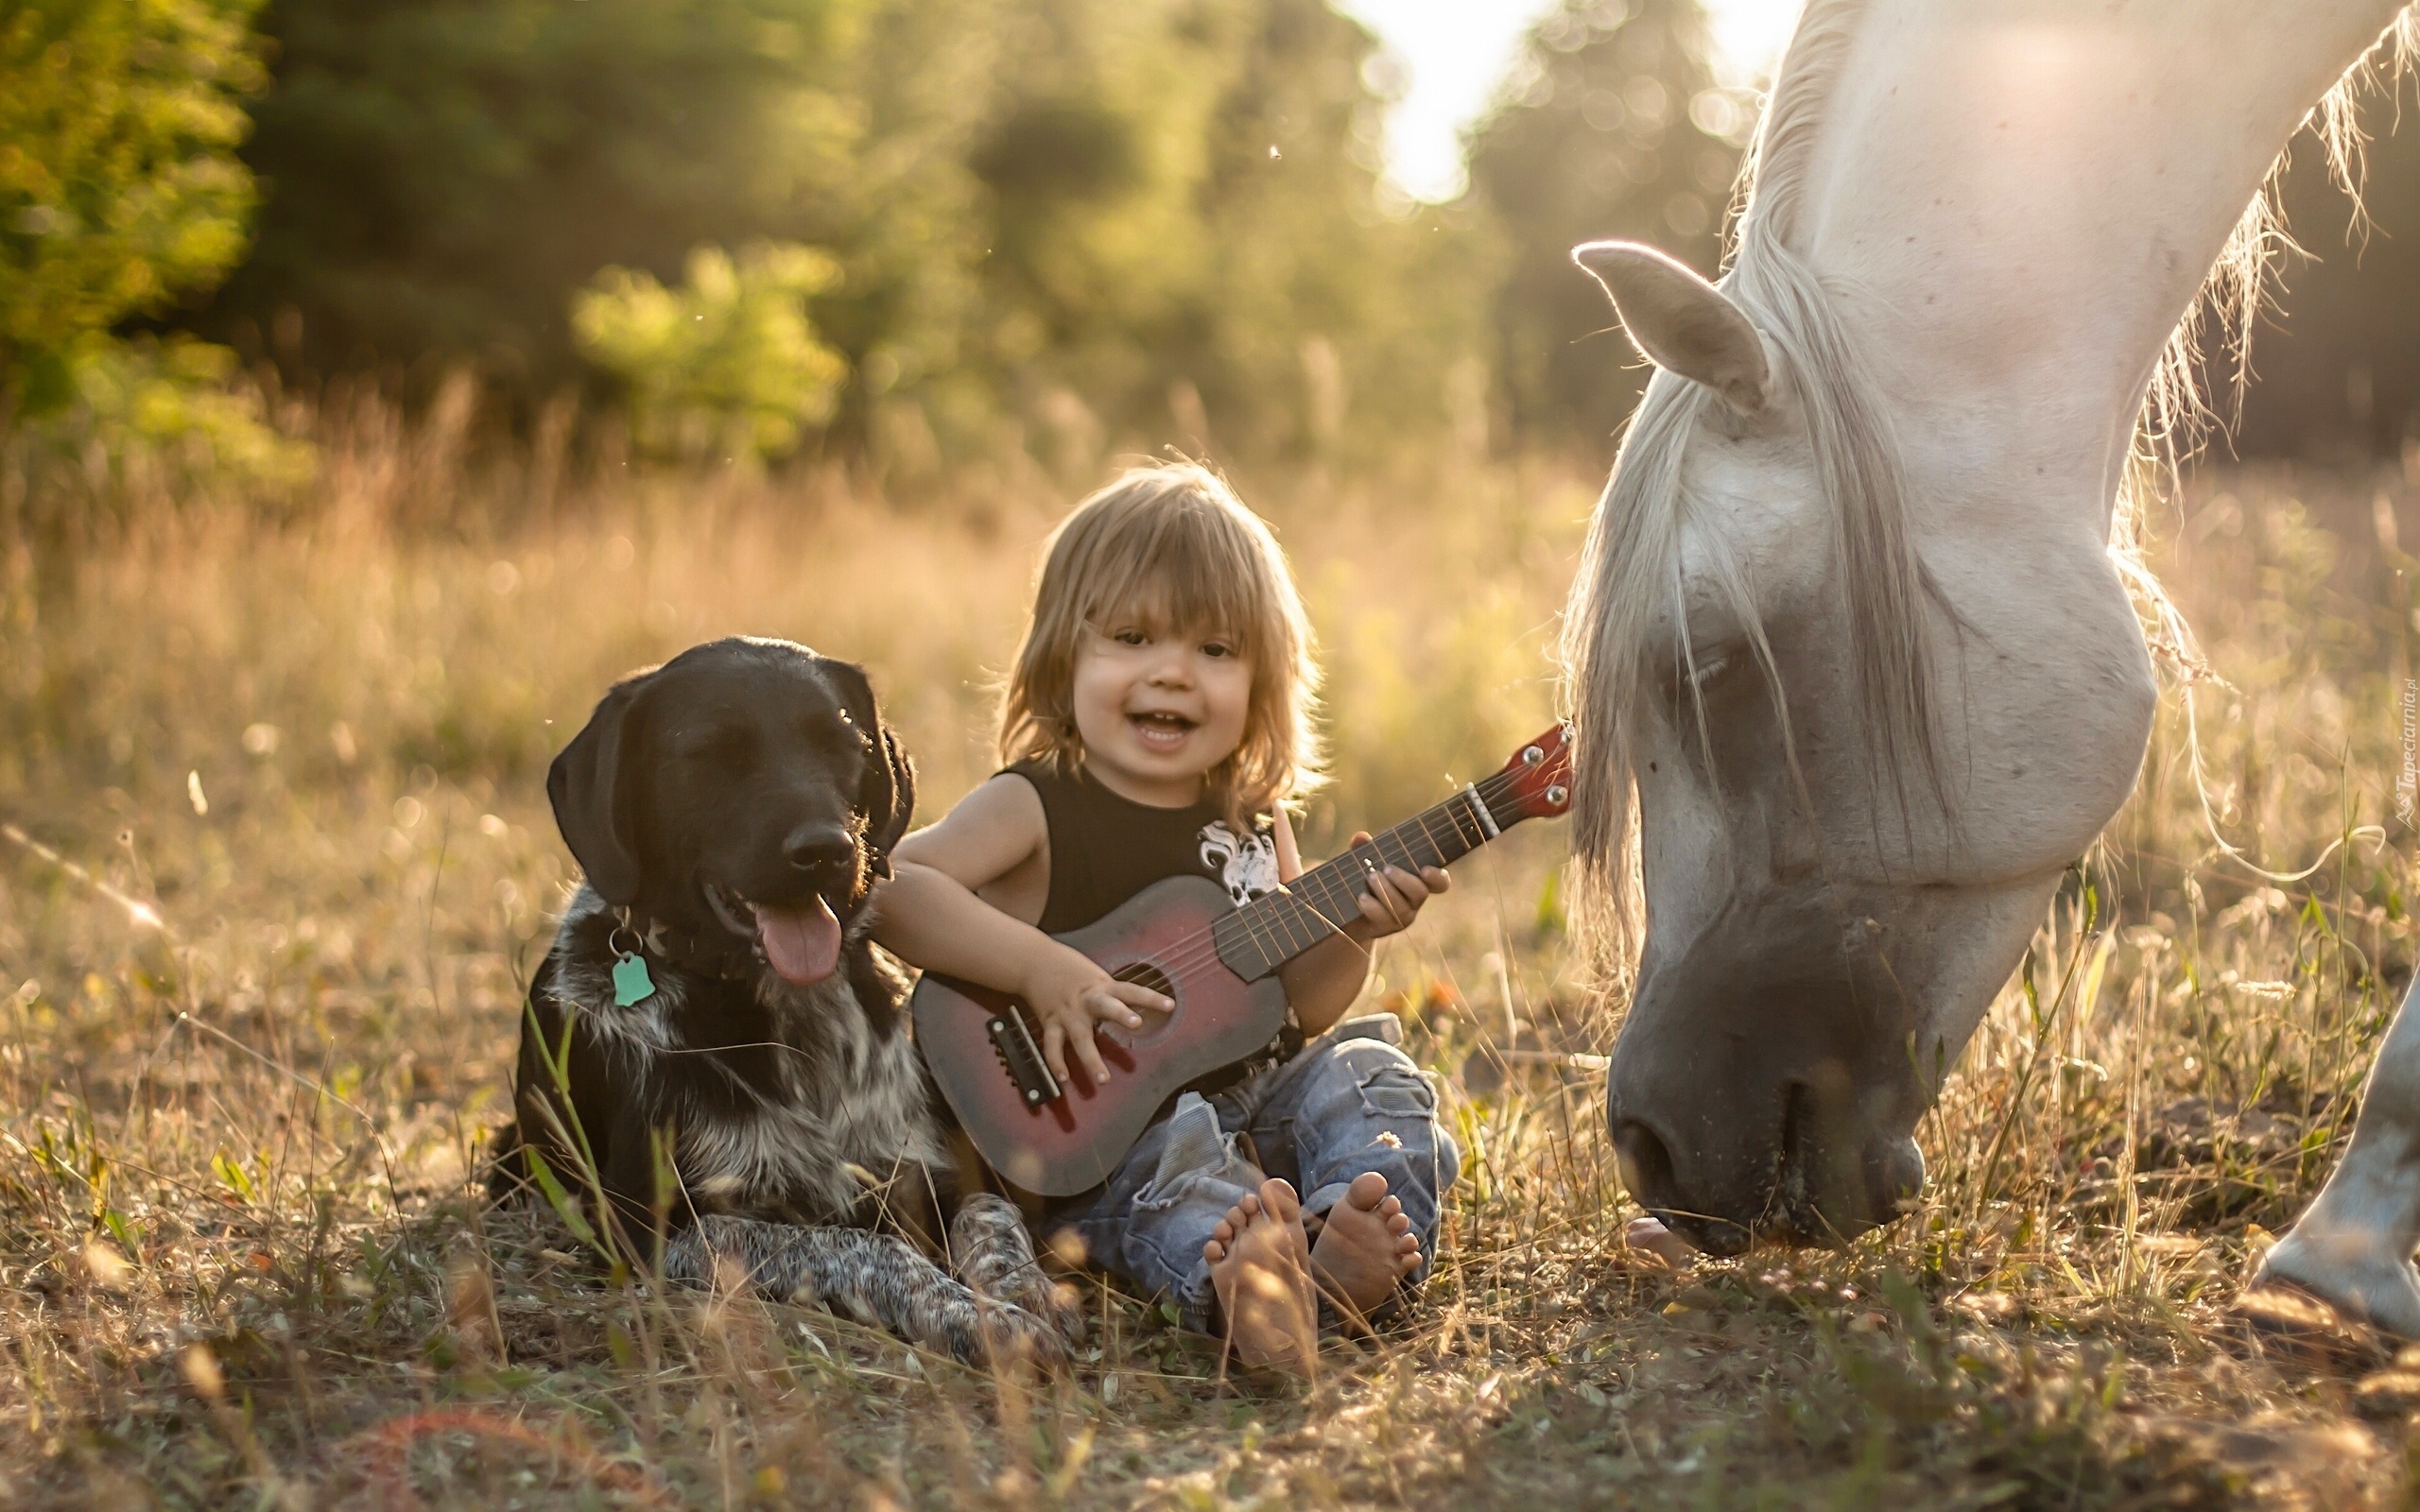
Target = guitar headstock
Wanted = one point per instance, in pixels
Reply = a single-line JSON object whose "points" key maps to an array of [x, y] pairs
{"points": [[1536, 783]]}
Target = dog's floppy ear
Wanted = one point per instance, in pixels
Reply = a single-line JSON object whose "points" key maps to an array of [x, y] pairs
{"points": [[886, 797], [898, 792], [584, 783]]}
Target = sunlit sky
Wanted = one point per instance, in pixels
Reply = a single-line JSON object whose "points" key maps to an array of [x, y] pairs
{"points": [[1454, 52]]}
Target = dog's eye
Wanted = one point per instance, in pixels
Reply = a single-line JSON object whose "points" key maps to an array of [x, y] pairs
{"points": [[834, 736]]}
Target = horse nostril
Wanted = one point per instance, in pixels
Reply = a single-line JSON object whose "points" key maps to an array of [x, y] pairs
{"points": [[1645, 1164], [819, 848], [1898, 1179]]}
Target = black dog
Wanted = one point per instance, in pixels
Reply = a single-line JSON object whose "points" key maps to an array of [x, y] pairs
{"points": [[711, 995]]}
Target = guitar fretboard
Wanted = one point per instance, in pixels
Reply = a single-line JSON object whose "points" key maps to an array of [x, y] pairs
{"points": [[1268, 931]]}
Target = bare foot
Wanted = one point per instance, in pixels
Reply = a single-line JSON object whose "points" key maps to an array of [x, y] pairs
{"points": [[1260, 1264], [1365, 1246]]}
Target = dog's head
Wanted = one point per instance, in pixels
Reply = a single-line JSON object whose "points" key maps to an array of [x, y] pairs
{"points": [[745, 789]]}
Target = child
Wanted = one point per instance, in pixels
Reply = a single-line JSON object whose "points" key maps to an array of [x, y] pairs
{"points": [[1157, 721]]}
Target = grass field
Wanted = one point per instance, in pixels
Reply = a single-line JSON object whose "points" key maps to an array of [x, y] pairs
{"points": [[278, 862]]}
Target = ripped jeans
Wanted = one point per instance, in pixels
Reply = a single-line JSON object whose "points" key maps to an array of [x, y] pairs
{"points": [[1350, 1102]]}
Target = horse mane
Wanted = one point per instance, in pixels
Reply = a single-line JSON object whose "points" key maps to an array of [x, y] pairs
{"points": [[2181, 410], [1628, 591], [1628, 587]]}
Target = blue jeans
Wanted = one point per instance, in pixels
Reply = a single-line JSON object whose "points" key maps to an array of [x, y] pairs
{"points": [[1350, 1102]]}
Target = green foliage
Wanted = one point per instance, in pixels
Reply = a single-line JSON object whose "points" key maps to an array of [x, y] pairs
{"points": [[1156, 209], [726, 365], [1610, 125], [444, 175], [1187, 196], [168, 408], [118, 184]]}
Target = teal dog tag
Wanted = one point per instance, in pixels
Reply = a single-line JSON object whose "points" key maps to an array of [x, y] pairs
{"points": [[631, 982]]}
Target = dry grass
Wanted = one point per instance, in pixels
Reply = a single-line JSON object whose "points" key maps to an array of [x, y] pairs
{"points": [[249, 1051]]}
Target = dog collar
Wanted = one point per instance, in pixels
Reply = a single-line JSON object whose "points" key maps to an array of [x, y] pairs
{"points": [[725, 957], [633, 984]]}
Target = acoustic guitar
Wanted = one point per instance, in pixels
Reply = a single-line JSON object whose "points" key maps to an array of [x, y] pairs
{"points": [[1187, 940]]}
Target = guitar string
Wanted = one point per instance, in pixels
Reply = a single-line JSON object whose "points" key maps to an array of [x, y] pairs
{"points": [[1329, 895], [1334, 882], [1198, 947], [1334, 879], [1337, 892], [1330, 879]]}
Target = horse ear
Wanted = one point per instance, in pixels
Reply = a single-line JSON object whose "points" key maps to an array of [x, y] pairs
{"points": [[584, 785], [1681, 321]]}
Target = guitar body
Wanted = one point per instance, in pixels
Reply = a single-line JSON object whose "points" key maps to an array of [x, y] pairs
{"points": [[1059, 1146]]}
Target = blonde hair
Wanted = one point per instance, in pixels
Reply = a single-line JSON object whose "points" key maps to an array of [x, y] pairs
{"points": [[1173, 546]]}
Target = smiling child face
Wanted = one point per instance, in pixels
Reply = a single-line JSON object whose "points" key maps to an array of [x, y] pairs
{"points": [[1157, 707]]}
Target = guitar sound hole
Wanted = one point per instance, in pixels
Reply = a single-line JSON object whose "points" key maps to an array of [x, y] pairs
{"points": [[1145, 973]]}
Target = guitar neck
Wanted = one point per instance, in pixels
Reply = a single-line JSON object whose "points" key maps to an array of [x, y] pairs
{"points": [[1270, 931]]}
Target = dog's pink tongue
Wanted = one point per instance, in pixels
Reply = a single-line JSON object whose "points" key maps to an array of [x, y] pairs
{"points": [[804, 942]]}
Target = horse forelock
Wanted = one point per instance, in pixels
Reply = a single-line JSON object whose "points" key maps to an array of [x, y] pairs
{"points": [[1628, 593]]}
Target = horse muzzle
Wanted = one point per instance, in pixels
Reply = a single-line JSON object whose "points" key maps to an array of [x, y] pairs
{"points": [[1809, 1179]]}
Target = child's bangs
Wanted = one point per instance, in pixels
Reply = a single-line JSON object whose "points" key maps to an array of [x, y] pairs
{"points": [[1188, 570]]}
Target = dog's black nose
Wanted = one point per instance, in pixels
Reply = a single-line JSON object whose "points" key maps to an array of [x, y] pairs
{"points": [[820, 848]]}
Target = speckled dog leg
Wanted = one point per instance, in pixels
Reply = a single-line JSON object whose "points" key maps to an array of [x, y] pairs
{"points": [[876, 1278], [993, 1251]]}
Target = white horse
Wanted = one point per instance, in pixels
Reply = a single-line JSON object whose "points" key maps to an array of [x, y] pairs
{"points": [[1848, 625]]}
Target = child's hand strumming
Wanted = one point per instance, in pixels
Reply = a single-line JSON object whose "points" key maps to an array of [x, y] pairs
{"points": [[1071, 996]]}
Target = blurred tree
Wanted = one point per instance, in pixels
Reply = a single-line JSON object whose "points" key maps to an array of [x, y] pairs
{"points": [[1336, 315], [725, 367], [441, 175], [1609, 125], [1047, 213], [118, 181], [1190, 230]]}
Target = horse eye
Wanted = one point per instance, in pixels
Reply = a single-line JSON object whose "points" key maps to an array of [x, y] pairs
{"points": [[1707, 671]]}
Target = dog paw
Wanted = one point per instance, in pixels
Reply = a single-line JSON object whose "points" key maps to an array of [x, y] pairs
{"points": [[1066, 1309], [1058, 1304], [1002, 1336]]}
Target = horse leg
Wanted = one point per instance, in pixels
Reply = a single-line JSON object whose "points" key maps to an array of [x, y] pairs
{"points": [[2353, 1248]]}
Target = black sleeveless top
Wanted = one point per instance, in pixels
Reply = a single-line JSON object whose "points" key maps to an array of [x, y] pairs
{"points": [[1105, 849]]}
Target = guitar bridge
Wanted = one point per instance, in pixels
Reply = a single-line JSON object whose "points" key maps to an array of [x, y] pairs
{"points": [[1024, 1061]]}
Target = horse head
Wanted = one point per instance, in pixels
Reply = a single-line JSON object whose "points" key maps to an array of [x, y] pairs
{"points": [[1867, 736]]}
